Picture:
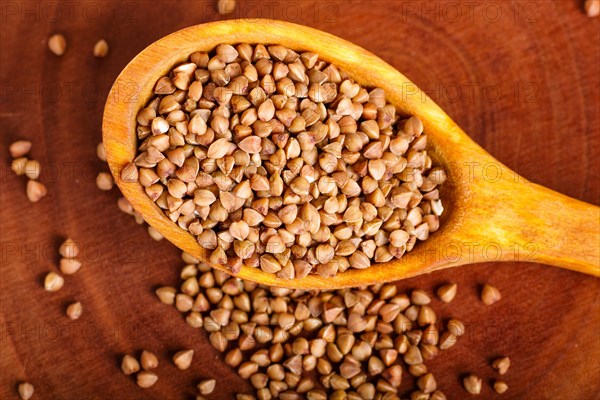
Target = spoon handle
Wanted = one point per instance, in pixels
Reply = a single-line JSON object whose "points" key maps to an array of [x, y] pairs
{"points": [[536, 224]]}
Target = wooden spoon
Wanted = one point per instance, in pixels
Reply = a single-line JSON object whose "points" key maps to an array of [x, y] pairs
{"points": [[491, 213]]}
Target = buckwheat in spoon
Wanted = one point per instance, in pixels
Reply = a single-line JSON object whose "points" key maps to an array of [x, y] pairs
{"points": [[290, 157]]}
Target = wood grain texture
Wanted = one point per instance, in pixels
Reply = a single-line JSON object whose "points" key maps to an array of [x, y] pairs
{"points": [[524, 83]]}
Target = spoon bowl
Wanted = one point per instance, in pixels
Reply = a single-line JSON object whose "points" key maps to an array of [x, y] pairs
{"points": [[491, 213]]}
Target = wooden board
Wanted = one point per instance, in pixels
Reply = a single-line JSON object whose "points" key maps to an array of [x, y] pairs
{"points": [[522, 78]]}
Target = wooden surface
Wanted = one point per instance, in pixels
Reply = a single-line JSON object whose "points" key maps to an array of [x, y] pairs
{"points": [[522, 78]]}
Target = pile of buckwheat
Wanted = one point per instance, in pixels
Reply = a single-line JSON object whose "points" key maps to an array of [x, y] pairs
{"points": [[295, 344], [341, 344], [278, 160]]}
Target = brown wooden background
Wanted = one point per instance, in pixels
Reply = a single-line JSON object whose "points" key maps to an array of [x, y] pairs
{"points": [[521, 77]]}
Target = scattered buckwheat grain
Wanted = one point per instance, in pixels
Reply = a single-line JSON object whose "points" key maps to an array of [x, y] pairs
{"points": [[154, 234], [74, 310], [183, 359], [500, 387], [225, 7], [447, 292], [148, 360], [101, 49], [53, 282], [69, 249], [207, 386], [57, 44], [18, 165], [129, 365], [104, 181], [472, 384], [32, 169], [501, 365], [25, 390], [146, 379], [35, 191], [69, 266], [490, 295], [101, 152], [592, 8], [19, 148]]}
